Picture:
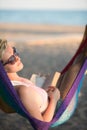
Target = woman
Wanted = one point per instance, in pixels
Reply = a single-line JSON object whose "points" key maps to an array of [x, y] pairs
{"points": [[39, 103]]}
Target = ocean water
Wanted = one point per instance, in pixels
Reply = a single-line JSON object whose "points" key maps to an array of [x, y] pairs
{"points": [[61, 17]]}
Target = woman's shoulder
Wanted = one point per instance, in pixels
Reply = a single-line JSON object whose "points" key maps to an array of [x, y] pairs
{"points": [[28, 93], [23, 90]]}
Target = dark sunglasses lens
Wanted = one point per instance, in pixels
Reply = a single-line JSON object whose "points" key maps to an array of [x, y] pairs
{"points": [[15, 51], [12, 59]]}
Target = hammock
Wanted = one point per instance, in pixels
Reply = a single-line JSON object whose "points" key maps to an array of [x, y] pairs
{"points": [[10, 96]]}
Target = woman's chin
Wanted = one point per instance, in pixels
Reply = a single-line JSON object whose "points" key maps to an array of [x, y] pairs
{"points": [[21, 66]]}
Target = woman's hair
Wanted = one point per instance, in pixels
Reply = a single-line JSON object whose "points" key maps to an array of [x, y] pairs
{"points": [[3, 45]]}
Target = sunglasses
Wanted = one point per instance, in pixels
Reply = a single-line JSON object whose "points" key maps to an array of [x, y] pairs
{"points": [[12, 59]]}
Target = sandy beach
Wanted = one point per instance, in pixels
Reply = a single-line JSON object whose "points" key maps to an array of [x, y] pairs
{"points": [[45, 49]]}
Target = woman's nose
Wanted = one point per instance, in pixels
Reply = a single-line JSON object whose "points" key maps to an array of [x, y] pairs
{"points": [[17, 58]]}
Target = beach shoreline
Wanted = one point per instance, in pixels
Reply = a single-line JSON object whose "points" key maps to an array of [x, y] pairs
{"points": [[40, 34]]}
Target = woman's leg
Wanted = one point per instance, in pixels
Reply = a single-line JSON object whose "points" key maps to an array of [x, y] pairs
{"points": [[68, 78]]}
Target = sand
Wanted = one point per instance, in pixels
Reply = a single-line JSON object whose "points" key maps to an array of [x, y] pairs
{"points": [[45, 49]]}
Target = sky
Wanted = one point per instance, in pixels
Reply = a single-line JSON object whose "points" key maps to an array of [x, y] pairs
{"points": [[44, 4]]}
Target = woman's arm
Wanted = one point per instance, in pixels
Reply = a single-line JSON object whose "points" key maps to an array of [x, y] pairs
{"points": [[30, 99], [54, 96]]}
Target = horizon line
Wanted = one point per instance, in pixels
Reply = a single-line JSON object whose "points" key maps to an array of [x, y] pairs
{"points": [[43, 9]]}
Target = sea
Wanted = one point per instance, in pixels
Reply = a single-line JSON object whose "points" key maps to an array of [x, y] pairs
{"points": [[60, 17]]}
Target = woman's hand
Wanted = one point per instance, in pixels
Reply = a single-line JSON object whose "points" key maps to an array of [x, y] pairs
{"points": [[53, 93], [54, 96]]}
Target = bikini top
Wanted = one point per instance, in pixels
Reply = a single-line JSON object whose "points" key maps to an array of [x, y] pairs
{"points": [[42, 93]]}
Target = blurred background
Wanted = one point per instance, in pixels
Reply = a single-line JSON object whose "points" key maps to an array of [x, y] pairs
{"points": [[47, 34]]}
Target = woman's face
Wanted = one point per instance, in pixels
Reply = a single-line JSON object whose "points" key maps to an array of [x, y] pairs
{"points": [[11, 60]]}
